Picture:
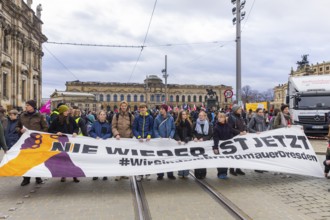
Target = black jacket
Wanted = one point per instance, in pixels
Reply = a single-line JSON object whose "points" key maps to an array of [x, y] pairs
{"points": [[69, 127], [237, 123], [183, 132], [205, 137], [222, 132]]}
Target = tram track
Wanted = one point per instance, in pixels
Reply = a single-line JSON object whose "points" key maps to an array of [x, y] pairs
{"points": [[223, 201], [141, 207]]}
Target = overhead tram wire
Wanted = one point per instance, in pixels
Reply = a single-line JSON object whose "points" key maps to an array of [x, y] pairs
{"points": [[61, 63], [95, 45], [144, 41]]}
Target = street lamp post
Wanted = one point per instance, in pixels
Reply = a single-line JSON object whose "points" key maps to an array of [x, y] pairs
{"points": [[237, 20], [165, 75]]}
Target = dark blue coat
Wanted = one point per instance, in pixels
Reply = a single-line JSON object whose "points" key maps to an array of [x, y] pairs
{"points": [[11, 133], [143, 126], [101, 130]]}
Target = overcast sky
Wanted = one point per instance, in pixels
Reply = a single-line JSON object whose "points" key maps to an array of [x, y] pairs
{"points": [[197, 36]]}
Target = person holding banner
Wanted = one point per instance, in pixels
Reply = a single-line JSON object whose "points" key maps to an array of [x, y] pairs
{"points": [[121, 126], [237, 123], [142, 129], [283, 119], [326, 163], [222, 132], [11, 133], [202, 131], [3, 144], [101, 129], [257, 125], [64, 124], [80, 122], [164, 127], [32, 120], [183, 134]]}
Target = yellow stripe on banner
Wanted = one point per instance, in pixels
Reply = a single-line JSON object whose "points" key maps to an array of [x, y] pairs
{"points": [[38, 151]]}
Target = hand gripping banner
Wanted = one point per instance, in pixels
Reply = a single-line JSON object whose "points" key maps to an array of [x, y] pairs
{"points": [[39, 154]]}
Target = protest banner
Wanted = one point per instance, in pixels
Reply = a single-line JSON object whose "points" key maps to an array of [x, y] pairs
{"points": [[39, 154]]}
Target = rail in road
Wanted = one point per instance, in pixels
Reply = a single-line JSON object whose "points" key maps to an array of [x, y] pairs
{"points": [[142, 209]]}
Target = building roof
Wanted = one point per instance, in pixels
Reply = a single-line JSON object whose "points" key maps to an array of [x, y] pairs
{"points": [[64, 93]]}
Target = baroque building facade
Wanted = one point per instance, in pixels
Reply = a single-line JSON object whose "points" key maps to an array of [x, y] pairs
{"points": [[280, 91], [21, 53], [109, 94]]}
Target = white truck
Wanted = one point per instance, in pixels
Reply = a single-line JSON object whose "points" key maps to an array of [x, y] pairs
{"points": [[308, 98]]}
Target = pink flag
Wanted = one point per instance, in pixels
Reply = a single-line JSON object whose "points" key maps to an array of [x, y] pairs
{"points": [[169, 108], [194, 107], [46, 107]]}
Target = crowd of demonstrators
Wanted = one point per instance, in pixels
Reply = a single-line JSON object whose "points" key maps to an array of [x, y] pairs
{"points": [[144, 124], [164, 127], [202, 131], [143, 129], [183, 134]]}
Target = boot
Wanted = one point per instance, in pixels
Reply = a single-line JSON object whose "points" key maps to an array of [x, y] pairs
{"points": [[75, 179], [26, 181], [232, 172], [240, 172]]}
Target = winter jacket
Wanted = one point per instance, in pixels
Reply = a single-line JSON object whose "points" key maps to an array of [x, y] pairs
{"points": [[164, 127], [143, 126], [222, 132], [236, 122], [32, 121], [3, 144], [11, 133], [81, 125], [122, 124], [69, 126], [278, 120], [101, 130], [204, 136], [257, 124], [183, 132]]}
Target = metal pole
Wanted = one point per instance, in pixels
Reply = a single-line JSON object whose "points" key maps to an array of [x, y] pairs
{"points": [[166, 79], [238, 53]]}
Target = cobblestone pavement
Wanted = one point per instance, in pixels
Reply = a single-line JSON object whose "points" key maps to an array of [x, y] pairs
{"points": [[261, 196]]}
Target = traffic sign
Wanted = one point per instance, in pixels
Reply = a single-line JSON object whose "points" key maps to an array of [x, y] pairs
{"points": [[228, 93]]}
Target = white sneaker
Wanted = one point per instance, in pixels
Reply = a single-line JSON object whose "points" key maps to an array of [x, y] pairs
{"points": [[148, 177], [117, 178], [139, 178]]}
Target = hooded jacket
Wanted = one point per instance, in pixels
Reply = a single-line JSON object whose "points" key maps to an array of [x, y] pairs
{"points": [[164, 127]]}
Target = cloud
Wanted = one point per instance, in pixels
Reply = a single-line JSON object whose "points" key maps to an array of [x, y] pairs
{"points": [[197, 36]]}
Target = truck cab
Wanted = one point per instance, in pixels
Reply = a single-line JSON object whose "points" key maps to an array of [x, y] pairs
{"points": [[308, 98]]}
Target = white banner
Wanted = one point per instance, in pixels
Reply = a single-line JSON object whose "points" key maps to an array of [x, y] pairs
{"points": [[48, 155]]}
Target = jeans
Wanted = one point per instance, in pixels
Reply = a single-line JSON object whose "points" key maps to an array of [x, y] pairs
{"points": [[183, 172]]}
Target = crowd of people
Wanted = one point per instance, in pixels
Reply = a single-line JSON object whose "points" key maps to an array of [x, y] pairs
{"points": [[144, 124]]}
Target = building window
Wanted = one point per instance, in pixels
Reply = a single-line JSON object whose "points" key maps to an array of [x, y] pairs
{"points": [[157, 98], [189, 98], [23, 90], [6, 43], [177, 98], [141, 98], [101, 97], [5, 85], [128, 98], [327, 68], [321, 69], [171, 98], [152, 98], [108, 98], [122, 97], [183, 98], [115, 98], [205, 98], [200, 98], [163, 98], [35, 97], [94, 107], [23, 55], [87, 106], [195, 98], [135, 98]]}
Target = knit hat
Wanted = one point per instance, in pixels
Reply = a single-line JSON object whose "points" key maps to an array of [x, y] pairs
{"points": [[235, 107], [63, 108], [32, 103], [164, 106]]}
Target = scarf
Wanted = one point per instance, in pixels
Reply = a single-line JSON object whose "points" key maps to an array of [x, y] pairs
{"points": [[199, 127], [260, 123], [284, 119]]}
